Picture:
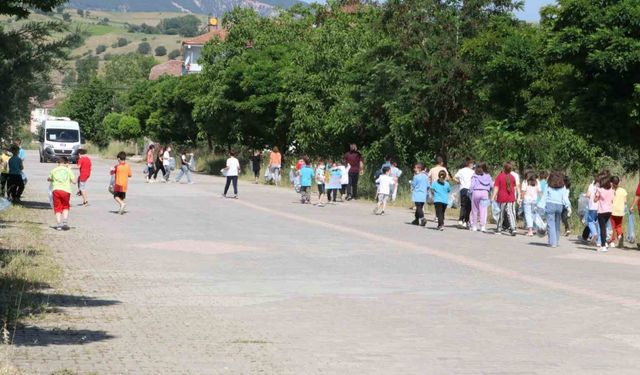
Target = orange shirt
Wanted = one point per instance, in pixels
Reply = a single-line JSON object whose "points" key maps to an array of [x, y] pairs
{"points": [[275, 158], [123, 172]]}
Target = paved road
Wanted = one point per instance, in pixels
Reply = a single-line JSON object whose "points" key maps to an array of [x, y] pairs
{"points": [[190, 283]]}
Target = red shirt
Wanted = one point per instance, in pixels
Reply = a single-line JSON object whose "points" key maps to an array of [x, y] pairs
{"points": [[353, 158], [505, 196], [84, 163], [638, 195]]}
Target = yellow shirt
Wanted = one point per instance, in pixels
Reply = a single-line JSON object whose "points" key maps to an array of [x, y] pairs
{"points": [[619, 201], [5, 163]]}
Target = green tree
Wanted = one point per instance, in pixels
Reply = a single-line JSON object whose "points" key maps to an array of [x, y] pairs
{"points": [[122, 127], [66, 17], [122, 71], [187, 26], [160, 51], [80, 12], [22, 8], [89, 104], [144, 48], [87, 69]]}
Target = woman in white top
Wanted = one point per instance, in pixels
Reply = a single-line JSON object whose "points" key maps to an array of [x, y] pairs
{"points": [[231, 171]]}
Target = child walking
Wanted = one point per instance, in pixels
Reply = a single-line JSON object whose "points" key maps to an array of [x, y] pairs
{"points": [[480, 187], [344, 180], [84, 164], [555, 200], [61, 178], [306, 178], [604, 197], [531, 193], [121, 173], [504, 193], [335, 178], [419, 189], [565, 212], [384, 181], [618, 212], [320, 171], [441, 190]]}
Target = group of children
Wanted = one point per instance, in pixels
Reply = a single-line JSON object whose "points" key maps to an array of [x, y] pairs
{"points": [[330, 178], [13, 178]]}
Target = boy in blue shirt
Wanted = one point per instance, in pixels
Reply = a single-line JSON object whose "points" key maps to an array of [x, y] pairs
{"points": [[441, 189], [306, 177], [419, 188]]}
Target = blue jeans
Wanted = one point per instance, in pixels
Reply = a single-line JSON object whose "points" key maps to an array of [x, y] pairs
{"points": [[554, 218], [529, 211], [184, 170], [592, 223]]}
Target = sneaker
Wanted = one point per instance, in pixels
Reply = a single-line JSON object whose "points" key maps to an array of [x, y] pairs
{"points": [[415, 222], [122, 209], [513, 233], [86, 204], [59, 227], [65, 226], [474, 228], [235, 196], [461, 224], [483, 229], [320, 205], [382, 213], [441, 228], [602, 249], [423, 222], [612, 245]]}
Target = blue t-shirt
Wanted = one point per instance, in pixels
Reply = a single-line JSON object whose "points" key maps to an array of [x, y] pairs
{"points": [[543, 189], [419, 185], [15, 165], [440, 192], [306, 176]]}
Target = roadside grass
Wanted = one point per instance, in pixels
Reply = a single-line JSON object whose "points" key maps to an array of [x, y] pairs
{"points": [[111, 151], [27, 267]]}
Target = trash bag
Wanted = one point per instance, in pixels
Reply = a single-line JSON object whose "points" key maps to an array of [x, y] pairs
{"points": [[631, 227], [538, 221], [50, 195], [583, 204], [267, 175], [454, 197], [4, 204], [495, 211], [192, 163], [172, 164]]}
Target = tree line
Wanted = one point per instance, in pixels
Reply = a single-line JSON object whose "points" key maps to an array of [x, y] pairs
{"points": [[408, 78]]}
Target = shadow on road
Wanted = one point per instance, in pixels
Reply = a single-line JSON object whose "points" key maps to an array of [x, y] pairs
{"points": [[36, 205], [35, 336]]}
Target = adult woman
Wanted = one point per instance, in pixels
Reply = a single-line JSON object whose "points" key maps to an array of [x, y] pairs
{"points": [[555, 200], [275, 164], [256, 162], [504, 193]]}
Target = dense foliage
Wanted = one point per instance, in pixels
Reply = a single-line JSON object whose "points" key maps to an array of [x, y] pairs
{"points": [[414, 79], [186, 26]]}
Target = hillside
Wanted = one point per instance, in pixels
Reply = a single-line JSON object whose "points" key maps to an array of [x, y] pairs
{"points": [[215, 7]]}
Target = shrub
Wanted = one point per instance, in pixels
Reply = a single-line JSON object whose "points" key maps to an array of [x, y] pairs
{"points": [[80, 12], [144, 48], [100, 48], [174, 54], [160, 51], [66, 17], [122, 42]]}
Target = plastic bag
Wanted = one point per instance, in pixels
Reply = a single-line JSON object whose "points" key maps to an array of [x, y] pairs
{"points": [[172, 164], [112, 184], [495, 211], [583, 204], [4, 204], [631, 227], [267, 175], [454, 197], [50, 195]]}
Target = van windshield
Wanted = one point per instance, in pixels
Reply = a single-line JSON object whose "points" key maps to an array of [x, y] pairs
{"points": [[62, 135]]}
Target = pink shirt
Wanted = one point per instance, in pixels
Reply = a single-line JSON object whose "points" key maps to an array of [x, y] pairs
{"points": [[605, 200]]}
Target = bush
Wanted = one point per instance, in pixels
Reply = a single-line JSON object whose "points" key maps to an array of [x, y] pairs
{"points": [[100, 48], [174, 54], [80, 12], [66, 17], [104, 21], [144, 48], [107, 56], [160, 51], [122, 42]]}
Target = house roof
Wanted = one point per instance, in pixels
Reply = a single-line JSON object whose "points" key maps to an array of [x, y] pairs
{"points": [[171, 67], [202, 39]]}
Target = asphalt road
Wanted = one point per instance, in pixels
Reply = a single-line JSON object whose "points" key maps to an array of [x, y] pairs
{"points": [[190, 283]]}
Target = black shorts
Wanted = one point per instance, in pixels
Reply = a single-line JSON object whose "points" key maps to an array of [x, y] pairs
{"points": [[120, 194], [321, 189]]}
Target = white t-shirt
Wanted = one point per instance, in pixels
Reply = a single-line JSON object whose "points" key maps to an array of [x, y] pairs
{"points": [[384, 184], [344, 180], [166, 157], [233, 166], [464, 175], [591, 192]]}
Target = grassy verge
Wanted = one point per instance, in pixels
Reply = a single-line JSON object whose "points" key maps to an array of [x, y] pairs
{"points": [[27, 268]]}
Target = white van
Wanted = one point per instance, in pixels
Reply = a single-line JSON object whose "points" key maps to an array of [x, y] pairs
{"points": [[59, 136]]}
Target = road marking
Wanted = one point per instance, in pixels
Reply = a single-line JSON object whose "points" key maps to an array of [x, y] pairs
{"points": [[459, 259]]}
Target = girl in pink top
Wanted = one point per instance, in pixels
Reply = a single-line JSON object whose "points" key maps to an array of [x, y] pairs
{"points": [[604, 198]]}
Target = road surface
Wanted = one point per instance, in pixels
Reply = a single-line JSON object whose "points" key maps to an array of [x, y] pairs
{"points": [[190, 283]]}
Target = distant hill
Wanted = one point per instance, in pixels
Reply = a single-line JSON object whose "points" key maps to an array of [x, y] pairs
{"points": [[215, 7]]}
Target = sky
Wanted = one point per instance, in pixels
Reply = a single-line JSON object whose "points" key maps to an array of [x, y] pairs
{"points": [[531, 10]]}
